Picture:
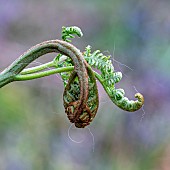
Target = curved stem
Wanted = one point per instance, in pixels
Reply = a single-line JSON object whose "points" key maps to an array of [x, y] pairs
{"points": [[62, 47], [58, 46]]}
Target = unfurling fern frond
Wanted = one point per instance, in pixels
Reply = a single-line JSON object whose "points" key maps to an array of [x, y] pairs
{"points": [[117, 96], [109, 77], [72, 94], [67, 32], [81, 94]]}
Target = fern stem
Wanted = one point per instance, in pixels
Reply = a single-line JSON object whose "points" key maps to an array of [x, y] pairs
{"points": [[37, 68], [21, 77]]}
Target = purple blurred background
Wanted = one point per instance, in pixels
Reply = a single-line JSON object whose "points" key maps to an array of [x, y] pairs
{"points": [[33, 125]]}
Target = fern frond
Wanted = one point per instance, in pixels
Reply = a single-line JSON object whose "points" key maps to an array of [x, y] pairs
{"points": [[112, 79], [98, 60], [117, 96], [67, 32], [104, 64], [109, 77]]}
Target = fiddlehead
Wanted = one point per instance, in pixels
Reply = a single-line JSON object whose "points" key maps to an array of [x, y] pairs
{"points": [[71, 94], [108, 78], [117, 97], [80, 95], [67, 32]]}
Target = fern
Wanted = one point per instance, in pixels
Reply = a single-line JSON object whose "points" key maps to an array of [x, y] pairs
{"points": [[104, 64], [81, 94], [96, 60], [108, 77], [67, 32]]}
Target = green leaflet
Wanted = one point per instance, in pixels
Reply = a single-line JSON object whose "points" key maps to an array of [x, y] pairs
{"points": [[104, 64]]}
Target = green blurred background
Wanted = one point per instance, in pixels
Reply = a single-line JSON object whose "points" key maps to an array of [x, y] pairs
{"points": [[33, 125]]}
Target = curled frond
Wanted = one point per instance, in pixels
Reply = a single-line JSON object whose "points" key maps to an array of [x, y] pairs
{"points": [[80, 95], [117, 97], [71, 95], [124, 103], [108, 78], [67, 32]]}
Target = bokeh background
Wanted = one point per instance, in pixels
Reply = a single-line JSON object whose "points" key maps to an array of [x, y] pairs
{"points": [[33, 125]]}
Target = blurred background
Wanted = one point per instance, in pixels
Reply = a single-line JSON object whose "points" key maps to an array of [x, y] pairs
{"points": [[33, 125]]}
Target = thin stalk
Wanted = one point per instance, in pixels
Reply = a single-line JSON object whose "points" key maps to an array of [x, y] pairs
{"points": [[37, 68], [43, 66], [21, 77]]}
